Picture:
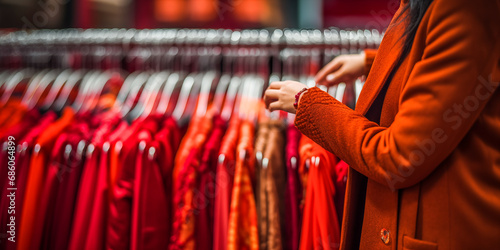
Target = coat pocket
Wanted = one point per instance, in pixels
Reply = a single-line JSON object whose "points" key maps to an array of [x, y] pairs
{"points": [[414, 244]]}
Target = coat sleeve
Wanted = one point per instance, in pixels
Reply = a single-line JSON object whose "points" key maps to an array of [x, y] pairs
{"points": [[369, 58], [442, 98]]}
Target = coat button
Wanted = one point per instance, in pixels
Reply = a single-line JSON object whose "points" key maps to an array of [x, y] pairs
{"points": [[384, 236]]}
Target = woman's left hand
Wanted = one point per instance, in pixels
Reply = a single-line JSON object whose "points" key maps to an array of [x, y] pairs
{"points": [[281, 95]]}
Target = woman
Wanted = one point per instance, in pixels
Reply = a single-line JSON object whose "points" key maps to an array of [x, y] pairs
{"points": [[423, 144]]}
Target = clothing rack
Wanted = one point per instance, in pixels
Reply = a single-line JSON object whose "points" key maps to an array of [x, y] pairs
{"points": [[121, 132], [49, 48]]}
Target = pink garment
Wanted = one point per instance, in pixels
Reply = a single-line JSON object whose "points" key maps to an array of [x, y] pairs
{"points": [[293, 193]]}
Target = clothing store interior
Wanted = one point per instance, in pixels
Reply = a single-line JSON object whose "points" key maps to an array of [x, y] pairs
{"points": [[130, 124]]}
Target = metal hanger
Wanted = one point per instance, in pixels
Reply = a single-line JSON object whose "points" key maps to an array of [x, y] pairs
{"points": [[56, 88], [173, 82], [84, 89], [155, 96], [12, 82], [47, 79], [72, 81], [187, 98], [137, 84]]}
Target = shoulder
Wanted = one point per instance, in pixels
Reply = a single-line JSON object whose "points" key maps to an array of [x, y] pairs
{"points": [[485, 13]]}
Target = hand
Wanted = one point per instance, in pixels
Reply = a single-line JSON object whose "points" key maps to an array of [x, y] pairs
{"points": [[344, 68], [281, 95]]}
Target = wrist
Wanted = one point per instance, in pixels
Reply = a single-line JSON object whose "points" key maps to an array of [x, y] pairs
{"points": [[298, 96]]}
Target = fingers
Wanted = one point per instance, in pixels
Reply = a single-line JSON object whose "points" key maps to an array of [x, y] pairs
{"points": [[270, 95], [274, 106], [335, 78], [276, 85], [330, 68]]}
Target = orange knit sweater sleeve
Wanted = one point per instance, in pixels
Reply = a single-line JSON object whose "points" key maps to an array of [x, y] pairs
{"points": [[455, 68], [369, 58]]}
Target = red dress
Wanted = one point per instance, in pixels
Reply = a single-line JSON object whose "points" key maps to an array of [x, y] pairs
{"points": [[224, 183]]}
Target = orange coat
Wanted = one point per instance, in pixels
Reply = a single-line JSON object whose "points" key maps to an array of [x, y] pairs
{"points": [[428, 175]]}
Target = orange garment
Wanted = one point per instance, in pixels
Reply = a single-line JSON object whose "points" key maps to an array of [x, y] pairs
{"points": [[30, 231], [242, 229], [425, 176], [195, 136], [272, 179], [185, 175], [11, 114], [260, 193], [320, 225]]}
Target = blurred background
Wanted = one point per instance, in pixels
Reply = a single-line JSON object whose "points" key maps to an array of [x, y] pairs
{"points": [[232, 14]]}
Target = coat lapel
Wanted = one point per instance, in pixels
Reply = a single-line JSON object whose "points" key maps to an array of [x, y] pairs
{"points": [[381, 68]]}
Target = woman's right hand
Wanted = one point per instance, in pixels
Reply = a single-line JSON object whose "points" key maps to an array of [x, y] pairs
{"points": [[344, 68]]}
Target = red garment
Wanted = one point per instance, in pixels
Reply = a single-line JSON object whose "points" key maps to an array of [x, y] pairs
{"points": [[149, 225], [119, 228], [56, 173], [205, 197], [96, 235], [22, 169], [119, 221], [341, 170], [33, 214], [70, 172], [293, 193], [224, 183], [242, 228], [91, 206], [320, 225], [154, 209], [16, 133], [121, 134]]}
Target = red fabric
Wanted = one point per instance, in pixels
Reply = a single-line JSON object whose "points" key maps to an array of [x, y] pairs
{"points": [[33, 212], [205, 197], [341, 170], [119, 228], [224, 183], [70, 172], [22, 169], [149, 202], [118, 235], [320, 225], [56, 175], [91, 206], [156, 189], [96, 236], [293, 193], [16, 132]]}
